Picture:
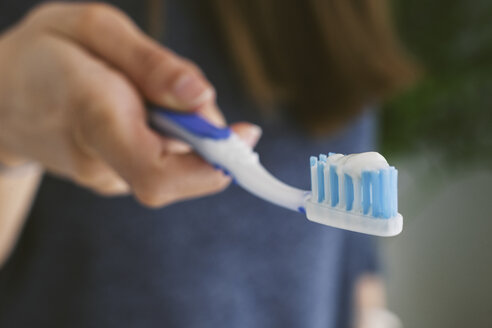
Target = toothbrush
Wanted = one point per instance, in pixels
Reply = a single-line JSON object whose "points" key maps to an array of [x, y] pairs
{"points": [[356, 192]]}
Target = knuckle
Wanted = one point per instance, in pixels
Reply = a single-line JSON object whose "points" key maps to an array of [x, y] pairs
{"points": [[96, 118], [43, 10], [94, 17], [45, 7], [155, 192], [98, 12]]}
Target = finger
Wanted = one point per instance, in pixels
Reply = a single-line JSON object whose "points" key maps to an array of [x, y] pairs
{"points": [[90, 172], [163, 77], [180, 177], [211, 113], [188, 176], [170, 145], [249, 133], [115, 188], [109, 187]]}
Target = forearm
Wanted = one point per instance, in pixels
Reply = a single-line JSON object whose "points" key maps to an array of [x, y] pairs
{"points": [[17, 189]]}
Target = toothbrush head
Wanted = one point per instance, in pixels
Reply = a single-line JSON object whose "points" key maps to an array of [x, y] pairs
{"points": [[355, 192]]}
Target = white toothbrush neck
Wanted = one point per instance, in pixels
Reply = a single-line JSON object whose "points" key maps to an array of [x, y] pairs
{"points": [[244, 166]]}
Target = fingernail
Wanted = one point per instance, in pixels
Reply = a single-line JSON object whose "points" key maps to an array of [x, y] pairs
{"points": [[253, 134], [191, 90]]}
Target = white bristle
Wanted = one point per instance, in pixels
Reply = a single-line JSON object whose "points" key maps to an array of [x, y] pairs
{"points": [[341, 189], [357, 204], [326, 173], [314, 181]]}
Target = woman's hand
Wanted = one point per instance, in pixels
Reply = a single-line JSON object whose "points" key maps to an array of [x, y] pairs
{"points": [[72, 87]]}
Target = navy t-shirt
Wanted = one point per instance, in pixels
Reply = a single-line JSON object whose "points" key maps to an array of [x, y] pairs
{"points": [[228, 260]]}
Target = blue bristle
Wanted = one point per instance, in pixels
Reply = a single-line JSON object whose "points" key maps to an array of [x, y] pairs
{"points": [[391, 191], [333, 185], [349, 192], [394, 190], [313, 160], [322, 157], [329, 154], [366, 191], [385, 193], [376, 194], [321, 184]]}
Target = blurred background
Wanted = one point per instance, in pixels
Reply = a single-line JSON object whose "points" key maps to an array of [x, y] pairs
{"points": [[439, 135]]}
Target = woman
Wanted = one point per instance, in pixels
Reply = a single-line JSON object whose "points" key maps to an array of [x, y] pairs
{"points": [[74, 82]]}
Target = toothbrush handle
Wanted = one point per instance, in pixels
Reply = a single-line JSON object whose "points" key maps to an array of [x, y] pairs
{"points": [[225, 150], [207, 139], [195, 125]]}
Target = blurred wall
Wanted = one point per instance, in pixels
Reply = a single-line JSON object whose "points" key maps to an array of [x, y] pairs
{"points": [[439, 270], [439, 135]]}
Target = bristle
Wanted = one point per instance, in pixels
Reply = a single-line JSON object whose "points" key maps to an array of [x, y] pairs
{"points": [[376, 193], [341, 190], [314, 176], [349, 192], [373, 192], [357, 202], [326, 175], [366, 192], [321, 183], [312, 160], [393, 191], [333, 185], [385, 196]]}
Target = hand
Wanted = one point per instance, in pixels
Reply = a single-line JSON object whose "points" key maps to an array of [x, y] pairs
{"points": [[72, 87]]}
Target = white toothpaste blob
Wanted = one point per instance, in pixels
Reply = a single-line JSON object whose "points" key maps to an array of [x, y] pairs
{"points": [[354, 164]]}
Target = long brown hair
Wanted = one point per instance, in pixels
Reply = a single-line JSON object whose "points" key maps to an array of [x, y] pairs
{"points": [[324, 60]]}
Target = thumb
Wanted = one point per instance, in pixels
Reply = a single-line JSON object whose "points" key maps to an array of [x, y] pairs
{"points": [[249, 133]]}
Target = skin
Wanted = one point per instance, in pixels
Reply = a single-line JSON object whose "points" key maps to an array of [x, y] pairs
{"points": [[74, 81], [75, 78]]}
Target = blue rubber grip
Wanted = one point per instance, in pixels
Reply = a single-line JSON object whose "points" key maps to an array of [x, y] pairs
{"points": [[195, 124]]}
